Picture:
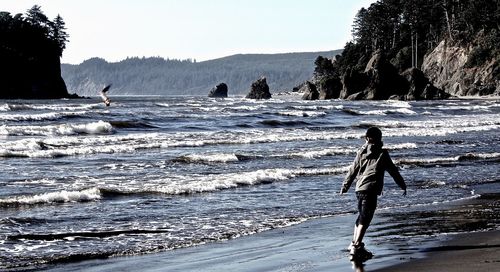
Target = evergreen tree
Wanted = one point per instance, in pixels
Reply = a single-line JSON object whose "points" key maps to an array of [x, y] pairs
{"points": [[58, 33], [30, 48], [406, 30]]}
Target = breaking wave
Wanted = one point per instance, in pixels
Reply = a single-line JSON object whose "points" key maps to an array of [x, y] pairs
{"points": [[403, 111], [303, 113], [208, 158], [49, 116], [99, 127], [173, 186], [52, 197], [455, 159]]}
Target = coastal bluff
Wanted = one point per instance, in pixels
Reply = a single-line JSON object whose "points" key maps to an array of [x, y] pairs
{"points": [[30, 51], [394, 55]]}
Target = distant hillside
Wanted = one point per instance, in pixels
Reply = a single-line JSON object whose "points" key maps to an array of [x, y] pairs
{"points": [[157, 76]]}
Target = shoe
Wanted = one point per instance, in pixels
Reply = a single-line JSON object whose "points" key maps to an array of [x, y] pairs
{"points": [[353, 249], [360, 251], [365, 254]]}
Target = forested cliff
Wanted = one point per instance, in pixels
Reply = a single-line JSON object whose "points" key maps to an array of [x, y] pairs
{"points": [[30, 49], [159, 76], [415, 49]]}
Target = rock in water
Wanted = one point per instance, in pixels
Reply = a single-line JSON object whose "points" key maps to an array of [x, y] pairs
{"points": [[310, 91], [259, 90], [420, 87], [329, 87], [218, 91]]}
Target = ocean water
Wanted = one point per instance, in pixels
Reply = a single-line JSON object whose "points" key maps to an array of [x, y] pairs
{"points": [[79, 180]]}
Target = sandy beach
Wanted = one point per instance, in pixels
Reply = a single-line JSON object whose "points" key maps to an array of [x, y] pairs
{"points": [[477, 251], [436, 239]]}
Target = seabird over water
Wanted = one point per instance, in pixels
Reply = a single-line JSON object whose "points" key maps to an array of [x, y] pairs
{"points": [[105, 98]]}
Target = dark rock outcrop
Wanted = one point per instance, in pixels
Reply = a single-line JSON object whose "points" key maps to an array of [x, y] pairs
{"points": [[30, 50], [419, 87], [329, 87], [384, 78], [259, 90], [218, 91], [310, 91], [32, 78], [353, 82], [299, 87], [381, 80]]}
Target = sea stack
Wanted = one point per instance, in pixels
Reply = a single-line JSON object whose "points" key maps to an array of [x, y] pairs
{"points": [[259, 89], [310, 91], [218, 91]]}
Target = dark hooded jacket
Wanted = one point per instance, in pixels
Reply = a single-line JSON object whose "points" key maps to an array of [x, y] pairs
{"points": [[368, 167]]}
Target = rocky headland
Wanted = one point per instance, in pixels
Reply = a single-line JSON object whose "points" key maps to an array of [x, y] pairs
{"points": [[30, 49], [401, 51]]}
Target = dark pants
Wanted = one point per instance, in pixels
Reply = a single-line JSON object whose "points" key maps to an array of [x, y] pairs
{"points": [[367, 203]]}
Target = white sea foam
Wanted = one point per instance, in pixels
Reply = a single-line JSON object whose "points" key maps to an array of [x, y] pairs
{"points": [[175, 185], [439, 126], [248, 108], [397, 104], [210, 183], [316, 153], [165, 105], [401, 146], [72, 144], [428, 160], [468, 156], [211, 158], [99, 127], [443, 131], [4, 107], [480, 156], [468, 108], [311, 154], [66, 146], [317, 107], [388, 111], [51, 107], [303, 113], [54, 197], [40, 116]]}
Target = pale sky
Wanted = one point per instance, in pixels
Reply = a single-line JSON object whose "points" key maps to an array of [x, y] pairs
{"points": [[196, 29]]}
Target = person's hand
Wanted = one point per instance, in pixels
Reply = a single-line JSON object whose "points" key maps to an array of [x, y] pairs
{"points": [[404, 192]]}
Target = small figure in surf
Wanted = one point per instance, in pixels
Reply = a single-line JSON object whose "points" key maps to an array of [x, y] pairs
{"points": [[104, 96], [368, 170]]}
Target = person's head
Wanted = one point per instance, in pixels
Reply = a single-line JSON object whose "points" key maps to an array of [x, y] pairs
{"points": [[373, 135]]}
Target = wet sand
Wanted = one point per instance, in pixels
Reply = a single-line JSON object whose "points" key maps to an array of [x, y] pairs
{"points": [[478, 251], [465, 247], [434, 238]]}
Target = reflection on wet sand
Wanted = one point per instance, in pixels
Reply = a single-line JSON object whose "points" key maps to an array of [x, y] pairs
{"points": [[411, 231]]}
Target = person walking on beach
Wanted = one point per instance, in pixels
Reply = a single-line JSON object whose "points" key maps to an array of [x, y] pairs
{"points": [[368, 170]]}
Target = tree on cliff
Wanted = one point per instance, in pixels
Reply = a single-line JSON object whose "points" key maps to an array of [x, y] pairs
{"points": [[58, 33], [411, 28], [30, 49]]}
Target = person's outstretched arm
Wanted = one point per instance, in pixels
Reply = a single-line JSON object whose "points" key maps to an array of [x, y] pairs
{"points": [[394, 172]]}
